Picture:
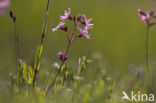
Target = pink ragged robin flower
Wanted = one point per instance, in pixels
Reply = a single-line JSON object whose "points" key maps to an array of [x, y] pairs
{"points": [[146, 17], [66, 15]]}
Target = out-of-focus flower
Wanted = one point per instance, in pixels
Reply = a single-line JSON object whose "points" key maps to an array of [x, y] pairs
{"points": [[60, 26], [4, 4], [66, 15], [146, 17]]}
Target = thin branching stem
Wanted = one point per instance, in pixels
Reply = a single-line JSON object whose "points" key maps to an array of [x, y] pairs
{"points": [[42, 38], [147, 47], [17, 46], [62, 62], [45, 22], [60, 67]]}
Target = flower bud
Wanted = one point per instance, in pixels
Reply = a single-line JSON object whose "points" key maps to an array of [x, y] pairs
{"points": [[60, 55], [80, 35], [140, 12], [153, 23], [65, 58], [79, 17], [70, 18], [11, 14], [63, 28], [83, 22], [74, 18], [152, 13]]}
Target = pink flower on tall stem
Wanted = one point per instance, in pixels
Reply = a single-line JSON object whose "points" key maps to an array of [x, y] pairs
{"points": [[71, 36], [147, 18]]}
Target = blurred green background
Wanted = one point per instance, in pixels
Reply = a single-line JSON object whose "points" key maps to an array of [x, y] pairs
{"points": [[117, 40]]}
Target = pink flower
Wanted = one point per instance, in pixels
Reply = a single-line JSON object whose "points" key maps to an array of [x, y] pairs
{"points": [[66, 15], [83, 32], [87, 24], [146, 17], [58, 27], [4, 4], [77, 22]]}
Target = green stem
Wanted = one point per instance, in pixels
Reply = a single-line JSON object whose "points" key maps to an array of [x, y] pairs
{"points": [[70, 39], [17, 45], [60, 67], [147, 47], [42, 38]]}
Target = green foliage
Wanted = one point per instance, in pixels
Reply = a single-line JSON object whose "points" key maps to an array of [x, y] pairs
{"points": [[24, 77], [30, 75], [38, 57], [82, 64], [70, 75]]}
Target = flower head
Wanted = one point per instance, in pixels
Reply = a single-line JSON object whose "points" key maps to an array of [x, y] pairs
{"points": [[87, 24], [146, 17], [59, 26], [4, 4], [83, 32], [77, 22], [66, 15]]}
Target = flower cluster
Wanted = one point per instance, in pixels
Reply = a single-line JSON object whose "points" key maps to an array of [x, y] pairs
{"points": [[146, 17], [81, 24], [4, 4], [77, 20]]}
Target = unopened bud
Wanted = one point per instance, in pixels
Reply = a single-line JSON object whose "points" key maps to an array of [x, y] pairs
{"points": [[60, 55], [70, 18], [79, 17], [63, 28]]}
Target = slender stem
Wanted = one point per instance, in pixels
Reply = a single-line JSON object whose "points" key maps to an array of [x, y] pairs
{"points": [[64, 75], [45, 22], [60, 67], [65, 54], [42, 37], [147, 47], [17, 45]]}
